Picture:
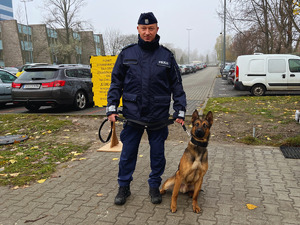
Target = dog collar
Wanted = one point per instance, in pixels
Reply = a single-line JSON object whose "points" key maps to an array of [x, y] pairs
{"points": [[199, 143]]}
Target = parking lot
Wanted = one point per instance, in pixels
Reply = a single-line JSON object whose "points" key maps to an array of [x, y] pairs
{"points": [[198, 86]]}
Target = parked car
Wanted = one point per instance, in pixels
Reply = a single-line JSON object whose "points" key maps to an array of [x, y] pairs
{"points": [[259, 73], [230, 78], [186, 70], [182, 69], [13, 70], [21, 70], [54, 85], [6, 79], [229, 68]]}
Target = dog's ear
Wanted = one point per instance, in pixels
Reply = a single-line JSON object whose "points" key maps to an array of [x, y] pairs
{"points": [[195, 116], [209, 118]]}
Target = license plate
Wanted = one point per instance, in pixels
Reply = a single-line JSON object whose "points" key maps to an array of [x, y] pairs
{"points": [[32, 86]]}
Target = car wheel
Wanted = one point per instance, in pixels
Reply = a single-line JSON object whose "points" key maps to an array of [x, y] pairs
{"points": [[80, 100], [32, 107], [258, 90]]}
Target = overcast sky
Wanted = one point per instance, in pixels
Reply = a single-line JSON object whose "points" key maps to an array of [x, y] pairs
{"points": [[174, 18]]}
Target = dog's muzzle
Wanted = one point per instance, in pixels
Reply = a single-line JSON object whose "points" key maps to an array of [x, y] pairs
{"points": [[199, 133]]}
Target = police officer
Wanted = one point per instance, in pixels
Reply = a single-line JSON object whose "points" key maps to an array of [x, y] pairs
{"points": [[146, 75]]}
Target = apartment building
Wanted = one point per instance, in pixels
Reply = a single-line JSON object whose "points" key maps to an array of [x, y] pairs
{"points": [[6, 10], [21, 44]]}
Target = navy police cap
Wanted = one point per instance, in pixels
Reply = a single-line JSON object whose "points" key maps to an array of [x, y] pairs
{"points": [[147, 18]]}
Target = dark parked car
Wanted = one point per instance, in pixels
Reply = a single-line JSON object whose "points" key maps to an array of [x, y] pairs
{"points": [[230, 68], [6, 79], [230, 78], [54, 85]]}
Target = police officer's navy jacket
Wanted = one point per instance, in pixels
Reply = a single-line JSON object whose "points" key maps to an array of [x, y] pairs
{"points": [[146, 75]]}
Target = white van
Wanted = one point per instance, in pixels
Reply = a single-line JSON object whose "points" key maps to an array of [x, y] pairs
{"points": [[267, 72]]}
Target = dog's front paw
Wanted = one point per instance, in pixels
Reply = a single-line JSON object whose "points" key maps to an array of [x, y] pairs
{"points": [[196, 209], [173, 209]]}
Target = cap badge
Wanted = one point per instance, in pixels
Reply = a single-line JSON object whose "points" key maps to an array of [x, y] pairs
{"points": [[146, 21]]}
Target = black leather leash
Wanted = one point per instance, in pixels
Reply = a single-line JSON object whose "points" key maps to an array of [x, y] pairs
{"points": [[139, 124], [110, 133]]}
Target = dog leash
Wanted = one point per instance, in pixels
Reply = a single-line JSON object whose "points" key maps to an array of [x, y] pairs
{"points": [[155, 126], [184, 128]]}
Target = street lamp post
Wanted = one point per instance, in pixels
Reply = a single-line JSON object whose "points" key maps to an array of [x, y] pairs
{"points": [[224, 42], [29, 51], [188, 29]]}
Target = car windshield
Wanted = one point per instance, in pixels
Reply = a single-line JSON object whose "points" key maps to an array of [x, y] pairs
{"points": [[38, 75], [227, 67]]}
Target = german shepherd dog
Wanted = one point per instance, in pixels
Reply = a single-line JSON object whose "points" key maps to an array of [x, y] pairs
{"points": [[193, 164]]}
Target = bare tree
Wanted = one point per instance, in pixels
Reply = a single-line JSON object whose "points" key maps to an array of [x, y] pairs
{"points": [[63, 15], [115, 41], [274, 25]]}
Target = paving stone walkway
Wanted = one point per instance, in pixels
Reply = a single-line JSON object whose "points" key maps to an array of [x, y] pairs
{"points": [[83, 192]]}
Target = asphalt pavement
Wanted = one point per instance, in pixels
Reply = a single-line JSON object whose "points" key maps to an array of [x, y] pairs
{"points": [[243, 185]]}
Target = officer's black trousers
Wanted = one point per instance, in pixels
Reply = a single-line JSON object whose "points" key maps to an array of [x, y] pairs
{"points": [[131, 137]]}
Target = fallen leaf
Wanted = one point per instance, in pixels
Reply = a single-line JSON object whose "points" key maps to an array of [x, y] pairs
{"points": [[3, 174], [99, 195], [12, 161], [14, 174], [228, 135], [82, 159], [76, 154], [15, 187], [140, 156], [251, 207], [41, 181], [114, 159]]}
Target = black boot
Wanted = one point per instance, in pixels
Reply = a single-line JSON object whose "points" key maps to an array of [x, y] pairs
{"points": [[124, 192], [155, 195]]}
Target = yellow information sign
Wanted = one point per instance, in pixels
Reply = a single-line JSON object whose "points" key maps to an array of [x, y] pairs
{"points": [[101, 69]]}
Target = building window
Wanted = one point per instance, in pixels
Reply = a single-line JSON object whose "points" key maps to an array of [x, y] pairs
{"points": [[78, 48], [97, 44], [52, 40], [25, 34], [1, 50]]}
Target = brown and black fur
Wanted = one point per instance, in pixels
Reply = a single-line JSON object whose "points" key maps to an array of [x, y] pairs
{"points": [[193, 164]]}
